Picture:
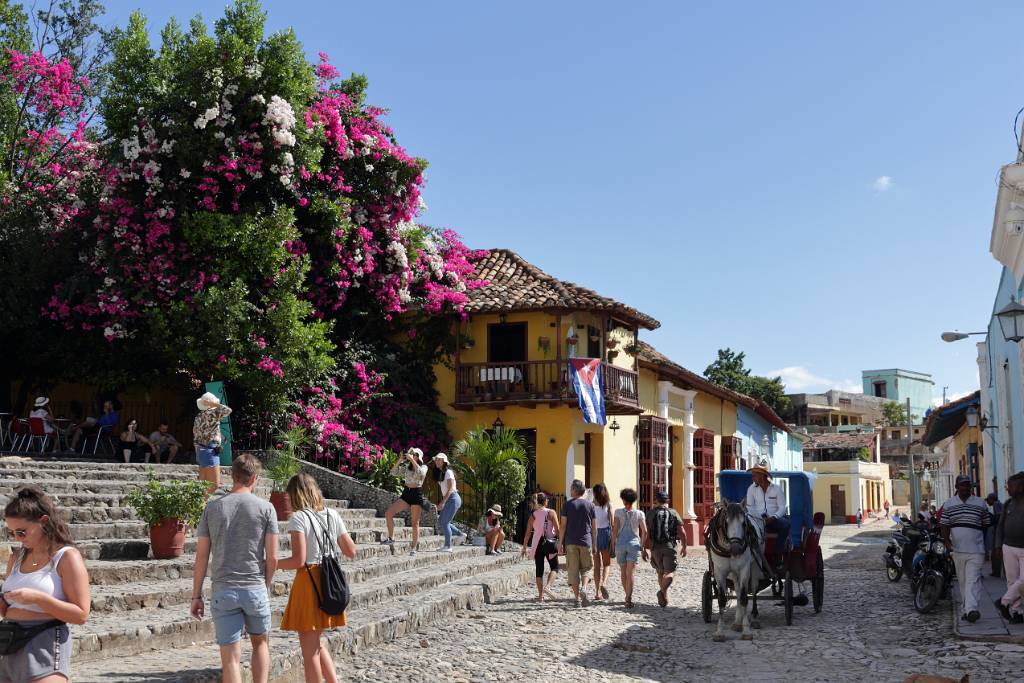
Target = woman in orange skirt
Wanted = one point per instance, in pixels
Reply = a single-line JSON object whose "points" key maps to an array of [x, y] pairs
{"points": [[310, 520]]}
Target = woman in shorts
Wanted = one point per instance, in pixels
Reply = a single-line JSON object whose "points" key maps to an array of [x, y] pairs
{"points": [[603, 542], [541, 539], [629, 535], [413, 471]]}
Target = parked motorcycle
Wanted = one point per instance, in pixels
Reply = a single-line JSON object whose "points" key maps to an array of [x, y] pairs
{"points": [[932, 573], [899, 553]]}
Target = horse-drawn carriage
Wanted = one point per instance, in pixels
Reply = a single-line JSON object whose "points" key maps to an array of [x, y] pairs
{"points": [[800, 558]]}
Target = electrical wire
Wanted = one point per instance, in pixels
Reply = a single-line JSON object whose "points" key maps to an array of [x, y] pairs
{"points": [[1016, 132]]}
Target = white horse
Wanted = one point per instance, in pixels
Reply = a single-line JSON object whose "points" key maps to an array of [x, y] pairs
{"points": [[731, 541]]}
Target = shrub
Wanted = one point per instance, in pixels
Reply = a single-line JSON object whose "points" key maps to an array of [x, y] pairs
{"points": [[158, 501]]}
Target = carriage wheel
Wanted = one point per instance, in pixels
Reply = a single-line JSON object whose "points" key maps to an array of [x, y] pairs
{"points": [[788, 597], [818, 583], [707, 594]]}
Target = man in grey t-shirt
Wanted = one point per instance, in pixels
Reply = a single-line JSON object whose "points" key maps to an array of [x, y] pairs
{"points": [[241, 532]]}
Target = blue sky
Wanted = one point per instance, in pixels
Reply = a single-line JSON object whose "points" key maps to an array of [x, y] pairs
{"points": [[812, 183]]}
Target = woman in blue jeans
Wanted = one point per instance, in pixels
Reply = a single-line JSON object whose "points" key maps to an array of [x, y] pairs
{"points": [[629, 536], [450, 500]]}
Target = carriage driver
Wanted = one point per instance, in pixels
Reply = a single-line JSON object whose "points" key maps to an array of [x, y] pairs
{"points": [[767, 510]]}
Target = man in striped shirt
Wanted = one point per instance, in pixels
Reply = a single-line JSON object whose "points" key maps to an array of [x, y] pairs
{"points": [[964, 520]]}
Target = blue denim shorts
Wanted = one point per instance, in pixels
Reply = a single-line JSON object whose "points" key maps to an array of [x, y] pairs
{"points": [[205, 457], [627, 552], [238, 608], [604, 539]]}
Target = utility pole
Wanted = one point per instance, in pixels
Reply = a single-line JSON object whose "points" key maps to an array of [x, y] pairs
{"points": [[915, 493], [944, 395]]}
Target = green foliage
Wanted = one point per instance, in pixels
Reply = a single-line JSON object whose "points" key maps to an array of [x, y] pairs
{"points": [[894, 414], [158, 501], [379, 474], [285, 461], [864, 454], [493, 465], [729, 370]]}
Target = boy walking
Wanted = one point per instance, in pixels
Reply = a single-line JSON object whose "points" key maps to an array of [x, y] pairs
{"points": [[240, 530], [663, 524]]}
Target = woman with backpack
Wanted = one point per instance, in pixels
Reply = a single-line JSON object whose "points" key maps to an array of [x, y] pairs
{"points": [[603, 542], [629, 536], [542, 538], [317, 536]]}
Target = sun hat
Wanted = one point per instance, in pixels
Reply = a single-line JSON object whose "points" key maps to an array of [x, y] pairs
{"points": [[761, 469], [207, 400], [42, 401], [442, 456], [495, 510], [415, 451]]}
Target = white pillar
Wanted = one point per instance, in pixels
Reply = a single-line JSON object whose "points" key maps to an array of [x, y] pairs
{"points": [[689, 427], [663, 406]]}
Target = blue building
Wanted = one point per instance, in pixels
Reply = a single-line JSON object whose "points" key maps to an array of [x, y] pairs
{"points": [[899, 385], [785, 446]]}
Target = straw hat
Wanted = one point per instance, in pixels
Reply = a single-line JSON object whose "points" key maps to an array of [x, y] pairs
{"points": [[207, 401], [495, 510], [442, 457], [42, 401], [761, 469]]}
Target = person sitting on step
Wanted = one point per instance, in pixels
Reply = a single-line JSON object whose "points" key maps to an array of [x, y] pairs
{"points": [[490, 527]]}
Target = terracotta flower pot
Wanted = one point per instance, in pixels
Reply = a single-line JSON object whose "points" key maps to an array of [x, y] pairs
{"points": [[167, 539], [283, 506]]}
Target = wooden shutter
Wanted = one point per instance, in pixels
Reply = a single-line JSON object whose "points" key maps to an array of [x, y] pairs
{"points": [[731, 448], [653, 459], [704, 474]]}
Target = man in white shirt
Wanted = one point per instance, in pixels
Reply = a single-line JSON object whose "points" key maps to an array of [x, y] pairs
{"points": [[767, 509], [964, 521]]}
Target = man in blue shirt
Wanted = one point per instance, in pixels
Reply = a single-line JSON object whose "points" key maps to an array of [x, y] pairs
{"points": [[109, 419]]}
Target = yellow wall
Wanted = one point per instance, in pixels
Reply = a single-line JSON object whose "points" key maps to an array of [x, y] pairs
{"points": [[853, 476], [967, 435]]}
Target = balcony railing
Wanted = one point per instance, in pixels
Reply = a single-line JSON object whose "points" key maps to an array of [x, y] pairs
{"points": [[539, 382]]}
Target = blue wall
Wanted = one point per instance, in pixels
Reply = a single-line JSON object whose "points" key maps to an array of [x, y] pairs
{"points": [[786, 451], [1001, 351], [901, 385]]}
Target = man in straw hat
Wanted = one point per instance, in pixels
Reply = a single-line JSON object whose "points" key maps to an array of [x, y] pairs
{"points": [[767, 509], [206, 434]]}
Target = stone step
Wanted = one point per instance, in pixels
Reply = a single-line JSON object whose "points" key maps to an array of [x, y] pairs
{"points": [[50, 464], [104, 511], [116, 500], [118, 635], [118, 572], [144, 594], [138, 549], [25, 476], [134, 528]]}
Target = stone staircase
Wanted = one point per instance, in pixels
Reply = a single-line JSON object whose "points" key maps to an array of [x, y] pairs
{"points": [[140, 629]]}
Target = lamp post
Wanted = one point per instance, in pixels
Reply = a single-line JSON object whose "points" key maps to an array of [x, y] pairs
{"points": [[764, 449], [1011, 321]]}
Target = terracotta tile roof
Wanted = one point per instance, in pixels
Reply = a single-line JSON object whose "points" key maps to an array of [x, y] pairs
{"points": [[840, 440], [514, 284]]}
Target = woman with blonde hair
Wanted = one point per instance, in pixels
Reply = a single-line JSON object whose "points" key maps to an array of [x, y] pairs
{"points": [[316, 531], [47, 588]]}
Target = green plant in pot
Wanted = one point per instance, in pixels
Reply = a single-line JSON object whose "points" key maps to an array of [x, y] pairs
{"points": [[168, 509], [283, 463]]}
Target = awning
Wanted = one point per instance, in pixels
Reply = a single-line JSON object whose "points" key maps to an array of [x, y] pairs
{"points": [[946, 420]]}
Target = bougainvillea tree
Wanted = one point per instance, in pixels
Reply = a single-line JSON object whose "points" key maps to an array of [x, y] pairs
{"points": [[257, 223]]}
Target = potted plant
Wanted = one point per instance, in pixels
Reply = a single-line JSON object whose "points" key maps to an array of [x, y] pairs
{"points": [[632, 349], [284, 463], [468, 342], [168, 508], [612, 355], [544, 345], [611, 343]]}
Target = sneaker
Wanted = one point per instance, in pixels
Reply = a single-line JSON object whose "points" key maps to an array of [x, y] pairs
{"points": [[661, 598], [585, 599], [490, 552], [446, 549], [387, 541], [604, 593], [412, 552], [973, 616], [549, 594], [1003, 610], [499, 552], [577, 603]]}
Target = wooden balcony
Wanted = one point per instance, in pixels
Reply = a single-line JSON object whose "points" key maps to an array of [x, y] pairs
{"points": [[534, 383]]}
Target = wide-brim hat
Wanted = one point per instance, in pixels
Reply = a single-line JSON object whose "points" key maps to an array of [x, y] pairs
{"points": [[42, 401], [760, 469], [442, 456], [207, 400], [495, 510], [417, 452]]}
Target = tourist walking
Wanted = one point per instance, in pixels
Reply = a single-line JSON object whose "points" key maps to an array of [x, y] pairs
{"points": [[964, 520], [603, 541], [860, 517], [207, 437], [490, 527], [47, 588], [238, 542], [411, 469], [629, 536], [541, 541], [1009, 540], [316, 531], [663, 525], [450, 501], [575, 537]]}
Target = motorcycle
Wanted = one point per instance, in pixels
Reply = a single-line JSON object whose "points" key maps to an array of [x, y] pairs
{"points": [[932, 573], [899, 553]]}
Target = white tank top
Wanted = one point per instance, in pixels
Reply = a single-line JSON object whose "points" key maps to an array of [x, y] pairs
{"points": [[601, 515], [45, 579]]}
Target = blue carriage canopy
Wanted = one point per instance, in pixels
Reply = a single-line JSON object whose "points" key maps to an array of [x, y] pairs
{"points": [[799, 488]]}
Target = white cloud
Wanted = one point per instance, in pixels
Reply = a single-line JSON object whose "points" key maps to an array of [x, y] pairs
{"points": [[799, 379], [951, 396], [883, 183]]}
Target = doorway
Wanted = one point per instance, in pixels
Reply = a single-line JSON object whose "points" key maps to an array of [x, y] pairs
{"points": [[529, 440], [838, 500], [506, 343]]}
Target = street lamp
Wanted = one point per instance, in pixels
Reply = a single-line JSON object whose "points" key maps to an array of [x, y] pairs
{"points": [[764, 447], [1011, 321], [972, 416], [497, 425], [957, 336]]}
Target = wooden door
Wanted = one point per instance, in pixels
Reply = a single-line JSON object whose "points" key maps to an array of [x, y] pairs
{"points": [[838, 498], [652, 459], [704, 474]]}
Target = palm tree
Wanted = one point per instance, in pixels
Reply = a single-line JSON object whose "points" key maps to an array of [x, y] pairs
{"points": [[493, 465]]}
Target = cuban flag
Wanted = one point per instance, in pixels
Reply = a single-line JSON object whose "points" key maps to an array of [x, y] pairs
{"points": [[588, 380]]}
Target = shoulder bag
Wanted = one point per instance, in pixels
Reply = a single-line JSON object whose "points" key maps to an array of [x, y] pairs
{"points": [[333, 595]]}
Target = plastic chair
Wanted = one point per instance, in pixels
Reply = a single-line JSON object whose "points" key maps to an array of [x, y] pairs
{"points": [[38, 433], [100, 431], [20, 434], [5, 429]]}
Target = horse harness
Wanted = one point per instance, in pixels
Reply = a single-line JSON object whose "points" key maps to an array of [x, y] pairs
{"points": [[716, 530]]}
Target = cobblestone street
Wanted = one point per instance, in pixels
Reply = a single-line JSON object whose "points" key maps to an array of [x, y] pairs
{"points": [[867, 631]]}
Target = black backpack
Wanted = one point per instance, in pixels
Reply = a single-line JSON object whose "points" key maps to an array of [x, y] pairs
{"points": [[333, 594], [665, 529]]}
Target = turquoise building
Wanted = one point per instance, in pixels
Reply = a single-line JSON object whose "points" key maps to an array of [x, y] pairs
{"points": [[899, 385], [785, 447]]}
